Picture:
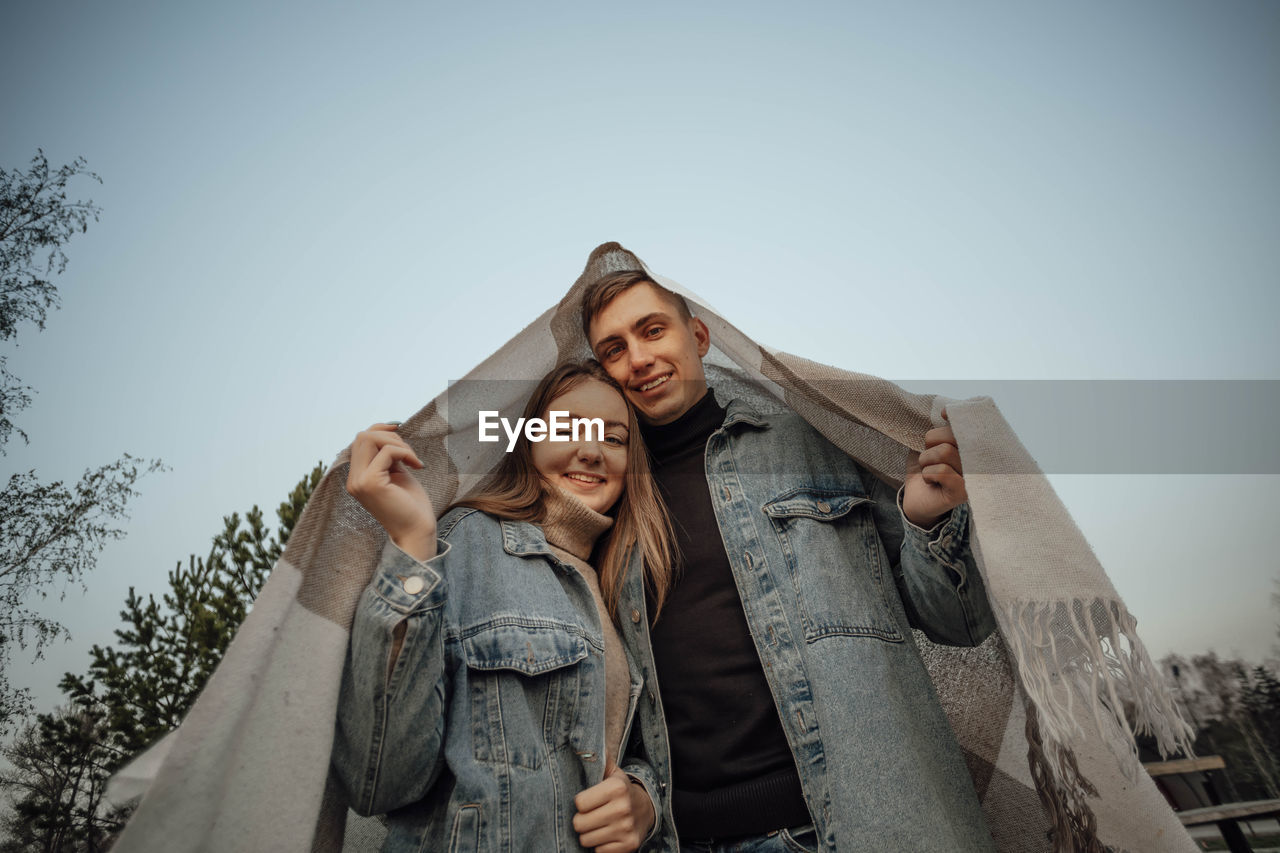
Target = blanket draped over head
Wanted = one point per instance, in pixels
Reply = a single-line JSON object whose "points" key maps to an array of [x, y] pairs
{"points": [[1046, 710]]}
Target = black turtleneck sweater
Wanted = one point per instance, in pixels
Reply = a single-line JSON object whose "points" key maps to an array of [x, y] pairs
{"points": [[732, 770]]}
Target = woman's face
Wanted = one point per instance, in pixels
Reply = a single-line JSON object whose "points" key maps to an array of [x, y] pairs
{"points": [[592, 468]]}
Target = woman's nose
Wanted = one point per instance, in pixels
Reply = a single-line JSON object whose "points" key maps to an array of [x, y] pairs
{"points": [[589, 451]]}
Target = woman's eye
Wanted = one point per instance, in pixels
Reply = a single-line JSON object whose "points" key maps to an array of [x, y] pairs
{"points": [[615, 440]]}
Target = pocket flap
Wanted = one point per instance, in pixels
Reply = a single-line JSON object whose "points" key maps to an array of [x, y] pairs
{"points": [[814, 503], [529, 649]]}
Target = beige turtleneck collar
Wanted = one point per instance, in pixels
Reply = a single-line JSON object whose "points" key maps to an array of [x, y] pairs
{"points": [[570, 525]]}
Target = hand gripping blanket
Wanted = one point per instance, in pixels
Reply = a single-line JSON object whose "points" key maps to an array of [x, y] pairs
{"points": [[1046, 710]]}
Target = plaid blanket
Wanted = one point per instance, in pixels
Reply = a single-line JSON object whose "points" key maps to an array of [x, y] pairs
{"points": [[1046, 710]]}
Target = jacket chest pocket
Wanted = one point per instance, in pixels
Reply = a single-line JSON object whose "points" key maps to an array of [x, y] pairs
{"points": [[836, 563], [524, 682]]}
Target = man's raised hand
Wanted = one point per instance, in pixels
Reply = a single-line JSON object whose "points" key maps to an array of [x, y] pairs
{"points": [[935, 479], [379, 479]]}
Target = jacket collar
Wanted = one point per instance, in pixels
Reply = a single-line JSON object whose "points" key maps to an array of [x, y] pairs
{"points": [[523, 538], [526, 539], [741, 412]]}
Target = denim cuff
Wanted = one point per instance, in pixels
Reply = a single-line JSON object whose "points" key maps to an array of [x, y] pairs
{"points": [[642, 775], [406, 584], [947, 540]]}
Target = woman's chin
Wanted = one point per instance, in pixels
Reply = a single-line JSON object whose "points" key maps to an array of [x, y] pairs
{"points": [[593, 498]]}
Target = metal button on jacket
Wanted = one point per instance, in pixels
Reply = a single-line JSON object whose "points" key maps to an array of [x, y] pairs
{"points": [[413, 585]]}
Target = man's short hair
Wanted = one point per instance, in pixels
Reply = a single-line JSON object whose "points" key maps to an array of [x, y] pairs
{"points": [[604, 290]]}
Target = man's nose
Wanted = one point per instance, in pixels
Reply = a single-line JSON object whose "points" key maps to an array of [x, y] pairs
{"points": [[641, 356]]}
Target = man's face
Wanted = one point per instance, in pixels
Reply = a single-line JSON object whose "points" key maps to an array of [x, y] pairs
{"points": [[652, 352]]}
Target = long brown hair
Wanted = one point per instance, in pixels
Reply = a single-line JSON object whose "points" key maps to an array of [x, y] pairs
{"points": [[515, 489]]}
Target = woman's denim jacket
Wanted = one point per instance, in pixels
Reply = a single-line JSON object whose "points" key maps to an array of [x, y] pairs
{"points": [[809, 536], [491, 719]]}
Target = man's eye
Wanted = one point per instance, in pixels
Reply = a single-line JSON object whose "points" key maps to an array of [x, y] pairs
{"points": [[612, 351], [653, 331]]}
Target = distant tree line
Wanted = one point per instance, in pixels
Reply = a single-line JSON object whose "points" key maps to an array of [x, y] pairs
{"points": [[1234, 708]]}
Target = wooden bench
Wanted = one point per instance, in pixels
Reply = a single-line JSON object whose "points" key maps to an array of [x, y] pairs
{"points": [[1185, 783]]}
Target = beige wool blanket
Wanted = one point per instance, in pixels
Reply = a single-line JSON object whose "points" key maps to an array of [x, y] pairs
{"points": [[1045, 711]]}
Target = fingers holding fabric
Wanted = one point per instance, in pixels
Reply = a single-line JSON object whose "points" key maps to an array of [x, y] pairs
{"points": [[613, 816], [380, 480], [941, 453], [935, 479]]}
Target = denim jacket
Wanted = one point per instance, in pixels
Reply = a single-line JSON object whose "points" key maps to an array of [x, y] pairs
{"points": [[492, 718], [809, 535]]}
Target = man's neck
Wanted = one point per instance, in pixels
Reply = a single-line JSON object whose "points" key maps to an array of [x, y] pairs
{"points": [[694, 425], [701, 397]]}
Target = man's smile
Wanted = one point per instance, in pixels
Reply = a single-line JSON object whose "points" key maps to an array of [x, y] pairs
{"points": [[653, 383]]}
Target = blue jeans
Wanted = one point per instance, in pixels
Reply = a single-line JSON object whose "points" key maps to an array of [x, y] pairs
{"points": [[798, 839]]}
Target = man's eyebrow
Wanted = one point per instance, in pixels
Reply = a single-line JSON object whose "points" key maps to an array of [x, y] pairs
{"points": [[661, 316], [605, 340], [649, 318]]}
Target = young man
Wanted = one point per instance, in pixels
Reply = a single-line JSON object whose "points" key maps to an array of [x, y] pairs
{"points": [[798, 712]]}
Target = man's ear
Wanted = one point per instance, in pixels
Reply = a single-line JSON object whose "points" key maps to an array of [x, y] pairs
{"points": [[700, 334]]}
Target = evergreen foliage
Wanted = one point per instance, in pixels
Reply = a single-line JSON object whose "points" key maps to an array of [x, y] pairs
{"points": [[140, 688], [58, 770]]}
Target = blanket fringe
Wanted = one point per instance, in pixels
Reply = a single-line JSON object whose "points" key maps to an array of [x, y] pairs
{"points": [[1073, 826], [1081, 656], [1084, 657]]}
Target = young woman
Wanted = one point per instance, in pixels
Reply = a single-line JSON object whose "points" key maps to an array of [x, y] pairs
{"points": [[488, 692]]}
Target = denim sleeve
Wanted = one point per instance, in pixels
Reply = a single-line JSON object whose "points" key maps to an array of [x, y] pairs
{"points": [[636, 763], [387, 747], [937, 577], [642, 774]]}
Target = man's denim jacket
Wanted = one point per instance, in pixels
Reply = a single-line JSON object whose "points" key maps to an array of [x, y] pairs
{"points": [[809, 536], [491, 719]]}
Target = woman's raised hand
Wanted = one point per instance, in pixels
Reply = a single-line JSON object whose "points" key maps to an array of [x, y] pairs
{"points": [[379, 480]]}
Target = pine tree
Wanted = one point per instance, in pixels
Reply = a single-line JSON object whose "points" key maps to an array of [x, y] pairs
{"points": [[169, 648], [61, 763], [1261, 703], [141, 688]]}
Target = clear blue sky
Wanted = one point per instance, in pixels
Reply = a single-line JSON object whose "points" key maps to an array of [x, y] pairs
{"points": [[315, 215]]}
